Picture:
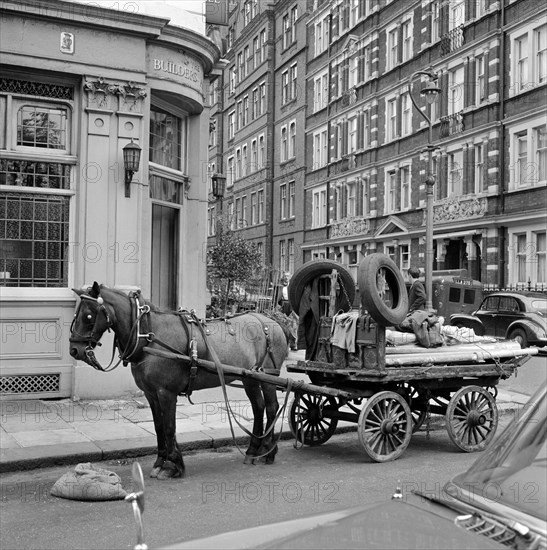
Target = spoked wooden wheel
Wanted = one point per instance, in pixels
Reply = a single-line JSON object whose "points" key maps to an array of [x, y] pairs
{"points": [[385, 426], [471, 418], [306, 419]]}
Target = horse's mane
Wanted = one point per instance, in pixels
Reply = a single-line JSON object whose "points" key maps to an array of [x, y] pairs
{"points": [[146, 301], [281, 320]]}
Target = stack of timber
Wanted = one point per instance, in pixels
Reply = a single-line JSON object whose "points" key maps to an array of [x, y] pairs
{"points": [[407, 355]]}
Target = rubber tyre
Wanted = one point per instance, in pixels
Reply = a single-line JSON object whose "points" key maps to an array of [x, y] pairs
{"points": [[311, 270], [371, 300], [519, 335]]}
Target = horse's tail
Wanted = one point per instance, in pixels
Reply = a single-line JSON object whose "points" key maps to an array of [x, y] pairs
{"points": [[283, 321]]}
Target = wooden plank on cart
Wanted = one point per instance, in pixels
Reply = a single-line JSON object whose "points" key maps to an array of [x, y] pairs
{"points": [[443, 356], [229, 370], [332, 297], [401, 374]]}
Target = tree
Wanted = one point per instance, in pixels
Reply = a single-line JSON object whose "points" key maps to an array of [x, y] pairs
{"points": [[232, 260]]}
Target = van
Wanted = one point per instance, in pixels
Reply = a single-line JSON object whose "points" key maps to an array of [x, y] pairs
{"points": [[455, 292]]}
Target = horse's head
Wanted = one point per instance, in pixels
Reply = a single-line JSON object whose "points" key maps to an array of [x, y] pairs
{"points": [[91, 320]]}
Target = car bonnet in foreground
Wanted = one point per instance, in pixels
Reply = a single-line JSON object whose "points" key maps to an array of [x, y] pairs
{"points": [[406, 523]]}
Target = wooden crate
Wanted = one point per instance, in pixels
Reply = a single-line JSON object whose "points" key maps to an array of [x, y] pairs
{"points": [[370, 342]]}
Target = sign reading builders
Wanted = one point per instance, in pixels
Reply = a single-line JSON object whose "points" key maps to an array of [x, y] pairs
{"points": [[178, 67]]}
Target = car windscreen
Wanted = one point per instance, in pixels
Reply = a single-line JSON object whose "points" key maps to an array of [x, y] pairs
{"points": [[513, 471]]}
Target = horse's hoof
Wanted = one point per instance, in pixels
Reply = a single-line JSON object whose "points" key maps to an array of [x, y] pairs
{"points": [[168, 474], [249, 460], [169, 470], [155, 471], [266, 459]]}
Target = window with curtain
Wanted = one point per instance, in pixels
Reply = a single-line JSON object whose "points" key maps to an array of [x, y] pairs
{"points": [[166, 139]]}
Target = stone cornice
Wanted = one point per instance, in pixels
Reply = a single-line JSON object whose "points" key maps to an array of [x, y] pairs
{"points": [[87, 15], [92, 16], [201, 46]]}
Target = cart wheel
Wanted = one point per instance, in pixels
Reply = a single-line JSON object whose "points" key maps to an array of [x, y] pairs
{"points": [[306, 419], [471, 418], [418, 415], [385, 426]]}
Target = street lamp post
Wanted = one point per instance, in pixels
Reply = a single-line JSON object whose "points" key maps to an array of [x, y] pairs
{"points": [[430, 92]]}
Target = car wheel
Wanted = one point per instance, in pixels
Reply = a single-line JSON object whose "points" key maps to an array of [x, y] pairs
{"points": [[306, 273], [371, 270], [520, 336]]}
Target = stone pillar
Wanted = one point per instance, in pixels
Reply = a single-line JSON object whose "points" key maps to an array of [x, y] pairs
{"points": [[492, 255], [477, 273], [396, 258], [471, 252], [441, 252]]}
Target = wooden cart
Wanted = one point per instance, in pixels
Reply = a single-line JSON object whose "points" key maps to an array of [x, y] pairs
{"points": [[392, 390], [389, 406]]}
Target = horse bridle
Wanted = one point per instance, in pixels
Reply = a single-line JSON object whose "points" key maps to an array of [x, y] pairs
{"points": [[93, 341]]}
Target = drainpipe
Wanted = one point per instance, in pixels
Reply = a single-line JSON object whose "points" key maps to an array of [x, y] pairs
{"points": [[271, 125], [329, 125], [502, 230]]}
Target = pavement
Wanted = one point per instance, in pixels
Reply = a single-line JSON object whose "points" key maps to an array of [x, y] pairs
{"points": [[43, 433]]}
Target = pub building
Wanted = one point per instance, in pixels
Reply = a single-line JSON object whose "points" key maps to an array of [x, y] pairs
{"points": [[103, 156]]}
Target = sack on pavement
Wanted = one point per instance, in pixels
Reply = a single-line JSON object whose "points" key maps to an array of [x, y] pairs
{"points": [[87, 482]]}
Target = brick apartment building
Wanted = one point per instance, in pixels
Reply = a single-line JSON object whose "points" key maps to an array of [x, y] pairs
{"points": [[325, 153]]}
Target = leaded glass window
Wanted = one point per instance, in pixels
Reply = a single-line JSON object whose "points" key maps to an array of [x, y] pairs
{"points": [[165, 139], [42, 127], [30, 173], [165, 189], [34, 231], [36, 169]]}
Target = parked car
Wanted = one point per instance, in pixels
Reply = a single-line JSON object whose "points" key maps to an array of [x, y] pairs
{"points": [[500, 502], [520, 316]]}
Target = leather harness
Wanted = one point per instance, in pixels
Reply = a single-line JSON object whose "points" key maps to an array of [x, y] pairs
{"points": [[188, 320]]}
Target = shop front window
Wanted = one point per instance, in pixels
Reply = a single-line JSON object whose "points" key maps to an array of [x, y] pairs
{"points": [[42, 127], [35, 184], [166, 139]]}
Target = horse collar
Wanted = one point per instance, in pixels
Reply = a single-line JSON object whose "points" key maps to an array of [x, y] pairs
{"points": [[141, 311]]}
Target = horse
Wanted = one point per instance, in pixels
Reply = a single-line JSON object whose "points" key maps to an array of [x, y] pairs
{"points": [[250, 341]]}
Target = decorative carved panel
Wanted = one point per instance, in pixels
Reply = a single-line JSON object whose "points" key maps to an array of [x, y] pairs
{"points": [[54, 91], [458, 208], [100, 93], [349, 227]]}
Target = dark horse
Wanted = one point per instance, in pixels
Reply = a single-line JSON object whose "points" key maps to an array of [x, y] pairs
{"points": [[249, 341]]}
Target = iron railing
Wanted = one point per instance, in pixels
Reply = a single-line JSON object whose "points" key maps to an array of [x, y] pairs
{"points": [[452, 40], [452, 124]]}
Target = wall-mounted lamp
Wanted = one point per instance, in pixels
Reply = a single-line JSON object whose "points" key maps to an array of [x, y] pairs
{"points": [[219, 185], [131, 162]]}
